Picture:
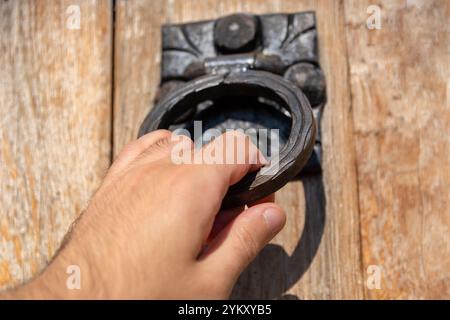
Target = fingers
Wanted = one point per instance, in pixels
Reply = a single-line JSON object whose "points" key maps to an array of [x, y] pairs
{"points": [[152, 146], [222, 219], [225, 161], [232, 154], [235, 246], [133, 149], [170, 147]]}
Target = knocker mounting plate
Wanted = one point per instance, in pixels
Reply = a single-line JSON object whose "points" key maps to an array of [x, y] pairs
{"points": [[250, 72]]}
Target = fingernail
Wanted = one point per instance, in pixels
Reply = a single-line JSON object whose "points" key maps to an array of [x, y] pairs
{"points": [[274, 218]]}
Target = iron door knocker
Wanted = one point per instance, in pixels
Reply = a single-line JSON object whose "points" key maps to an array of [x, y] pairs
{"points": [[248, 72]]}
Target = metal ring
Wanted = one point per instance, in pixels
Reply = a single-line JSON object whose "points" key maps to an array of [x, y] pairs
{"points": [[295, 152]]}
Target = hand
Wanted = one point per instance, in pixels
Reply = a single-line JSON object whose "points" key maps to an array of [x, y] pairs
{"points": [[154, 230]]}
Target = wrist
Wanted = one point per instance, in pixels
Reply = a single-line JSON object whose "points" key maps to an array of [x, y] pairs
{"points": [[69, 276], [73, 273]]}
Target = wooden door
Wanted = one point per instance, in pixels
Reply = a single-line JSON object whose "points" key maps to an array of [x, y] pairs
{"points": [[71, 98]]}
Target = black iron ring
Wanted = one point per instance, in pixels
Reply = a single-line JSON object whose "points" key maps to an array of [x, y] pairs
{"points": [[293, 155]]}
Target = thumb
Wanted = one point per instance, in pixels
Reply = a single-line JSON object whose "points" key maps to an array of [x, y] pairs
{"points": [[240, 241]]}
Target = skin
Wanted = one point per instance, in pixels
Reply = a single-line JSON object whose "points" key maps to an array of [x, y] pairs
{"points": [[154, 229]]}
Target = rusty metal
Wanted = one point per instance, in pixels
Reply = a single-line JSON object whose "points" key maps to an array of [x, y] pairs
{"points": [[246, 71]]}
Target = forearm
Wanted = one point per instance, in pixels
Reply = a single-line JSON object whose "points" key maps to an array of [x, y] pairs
{"points": [[56, 283]]}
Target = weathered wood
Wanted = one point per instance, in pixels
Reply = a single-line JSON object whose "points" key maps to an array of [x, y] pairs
{"points": [[55, 122], [55, 100], [319, 258], [298, 146], [400, 87]]}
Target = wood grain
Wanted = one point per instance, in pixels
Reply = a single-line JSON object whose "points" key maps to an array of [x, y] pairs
{"points": [[318, 253], [400, 77], [383, 198], [55, 125]]}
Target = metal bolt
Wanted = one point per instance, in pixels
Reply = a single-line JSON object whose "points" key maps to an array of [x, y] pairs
{"points": [[236, 33], [310, 79]]}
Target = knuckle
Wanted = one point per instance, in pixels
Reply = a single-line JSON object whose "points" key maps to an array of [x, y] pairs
{"points": [[157, 134], [236, 133], [234, 136], [182, 138], [159, 146], [163, 132]]}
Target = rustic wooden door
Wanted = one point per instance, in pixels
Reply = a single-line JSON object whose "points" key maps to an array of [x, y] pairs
{"points": [[70, 98]]}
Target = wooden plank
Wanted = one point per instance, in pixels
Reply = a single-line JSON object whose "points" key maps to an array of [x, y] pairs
{"points": [[55, 124], [400, 87], [319, 258]]}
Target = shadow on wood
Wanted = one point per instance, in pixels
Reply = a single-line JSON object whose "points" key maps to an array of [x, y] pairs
{"points": [[274, 272]]}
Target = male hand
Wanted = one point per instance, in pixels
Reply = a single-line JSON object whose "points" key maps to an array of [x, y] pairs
{"points": [[154, 229]]}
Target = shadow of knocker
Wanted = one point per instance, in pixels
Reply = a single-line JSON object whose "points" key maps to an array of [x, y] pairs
{"points": [[273, 272]]}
